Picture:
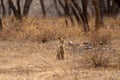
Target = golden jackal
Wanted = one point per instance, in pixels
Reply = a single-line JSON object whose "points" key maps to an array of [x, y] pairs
{"points": [[60, 51]]}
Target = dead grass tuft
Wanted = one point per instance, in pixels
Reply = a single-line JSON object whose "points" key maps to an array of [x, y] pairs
{"points": [[97, 58], [101, 53]]}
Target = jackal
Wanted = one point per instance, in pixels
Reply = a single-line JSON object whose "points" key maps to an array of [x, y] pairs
{"points": [[60, 50]]}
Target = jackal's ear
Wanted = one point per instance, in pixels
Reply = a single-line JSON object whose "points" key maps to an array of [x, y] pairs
{"points": [[63, 37], [59, 38]]}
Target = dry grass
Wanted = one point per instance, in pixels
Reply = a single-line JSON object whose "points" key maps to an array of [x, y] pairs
{"points": [[98, 58], [118, 57], [102, 54], [101, 37], [35, 29], [23, 56]]}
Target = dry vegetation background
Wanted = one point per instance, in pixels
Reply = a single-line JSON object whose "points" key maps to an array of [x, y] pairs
{"points": [[28, 50]]}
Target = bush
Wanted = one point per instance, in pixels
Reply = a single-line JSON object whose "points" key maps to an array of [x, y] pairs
{"points": [[97, 58]]}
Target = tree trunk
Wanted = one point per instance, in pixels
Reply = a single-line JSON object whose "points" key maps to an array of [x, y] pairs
{"points": [[15, 10], [76, 10], [103, 8], [57, 8], [43, 8], [3, 8], [9, 9], [118, 2], [27, 7], [69, 11], [1, 24], [19, 7], [115, 8], [67, 7], [85, 17], [99, 17]]}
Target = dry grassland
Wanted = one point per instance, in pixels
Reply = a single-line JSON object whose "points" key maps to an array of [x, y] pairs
{"points": [[28, 51]]}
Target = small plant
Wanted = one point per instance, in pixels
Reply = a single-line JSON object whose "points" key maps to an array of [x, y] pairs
{"points": [[97, 58]]}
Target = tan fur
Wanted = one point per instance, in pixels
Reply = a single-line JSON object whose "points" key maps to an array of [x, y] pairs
{"points": [[60, 51]]}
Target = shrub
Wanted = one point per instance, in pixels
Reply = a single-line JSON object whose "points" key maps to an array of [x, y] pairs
{"points": [[97, 58]]}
